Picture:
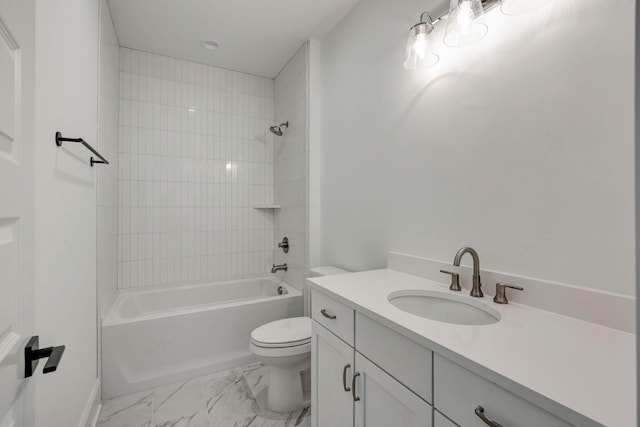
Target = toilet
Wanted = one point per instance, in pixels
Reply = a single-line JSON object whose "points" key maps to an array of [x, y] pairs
{"points": [[284, 346]]}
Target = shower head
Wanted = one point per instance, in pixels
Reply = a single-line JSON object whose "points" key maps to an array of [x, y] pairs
{"points": [[277, 130]]}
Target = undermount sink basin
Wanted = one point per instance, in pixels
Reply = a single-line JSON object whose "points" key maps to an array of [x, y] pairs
{"points": [[444, 307]]}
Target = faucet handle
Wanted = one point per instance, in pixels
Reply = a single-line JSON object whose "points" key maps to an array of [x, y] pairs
{"points": [[455, 280], [501, 292]]}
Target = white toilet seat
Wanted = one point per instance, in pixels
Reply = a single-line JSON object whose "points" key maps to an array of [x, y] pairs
{"points": [[281, 344], [290, 332], [279, 351], [282, 338]]}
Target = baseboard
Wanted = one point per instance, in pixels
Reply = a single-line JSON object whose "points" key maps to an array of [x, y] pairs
{"points": [[92, 407], [591, 305]]}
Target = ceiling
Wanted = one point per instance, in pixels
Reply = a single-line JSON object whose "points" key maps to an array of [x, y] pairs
{"points": [[256, 37]]}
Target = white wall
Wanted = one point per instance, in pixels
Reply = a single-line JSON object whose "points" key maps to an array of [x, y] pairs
{"points": [[65, 198], [290, 167], [195, 156], [520, 146], [637, 165], [314, 172], [107, 177]]}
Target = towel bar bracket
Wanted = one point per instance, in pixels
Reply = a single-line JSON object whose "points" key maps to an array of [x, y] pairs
{"points": [[60, 139]]}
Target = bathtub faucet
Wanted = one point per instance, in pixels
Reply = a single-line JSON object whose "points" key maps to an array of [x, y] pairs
{"points": [[277, 268]]}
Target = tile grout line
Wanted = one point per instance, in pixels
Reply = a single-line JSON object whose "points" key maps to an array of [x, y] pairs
{"points": [[253, 393], [153, 415]]}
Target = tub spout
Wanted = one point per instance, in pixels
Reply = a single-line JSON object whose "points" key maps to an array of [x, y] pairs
{"points": [[277, 268]]}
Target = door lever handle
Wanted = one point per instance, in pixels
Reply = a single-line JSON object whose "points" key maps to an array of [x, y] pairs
{"points": [[32, 354]]}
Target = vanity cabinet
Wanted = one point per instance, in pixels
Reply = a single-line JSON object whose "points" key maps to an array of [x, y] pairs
{"points": [[403, 359], [348, 389], [381, 401], [364, 373], [458, 392], [332, 362], [333, 315]]}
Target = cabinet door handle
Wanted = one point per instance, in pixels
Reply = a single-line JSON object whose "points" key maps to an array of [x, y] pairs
{"points": [[327, 315], [353, 387], [488, 421], [344, 377]]}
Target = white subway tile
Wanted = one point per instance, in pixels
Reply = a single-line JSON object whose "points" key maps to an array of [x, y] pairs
{"points": [[187, 217]]}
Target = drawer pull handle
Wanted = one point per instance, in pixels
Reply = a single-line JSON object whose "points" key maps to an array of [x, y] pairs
{"points": [[353, 387], [327, 315], [344, 378], [488, 421]]}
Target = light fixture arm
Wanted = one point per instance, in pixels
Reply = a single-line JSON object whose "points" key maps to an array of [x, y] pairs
{"points": [[431, 20], [422, 21], [486, 5], [490, 4]]}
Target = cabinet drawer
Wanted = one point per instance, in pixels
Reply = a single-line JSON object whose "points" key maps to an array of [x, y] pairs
{"points": [[408, 362], [458, 392], [333, 315]]}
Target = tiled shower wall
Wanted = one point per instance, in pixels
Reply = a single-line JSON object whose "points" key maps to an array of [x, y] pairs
{"points": [[290, 166], [195, 156]]}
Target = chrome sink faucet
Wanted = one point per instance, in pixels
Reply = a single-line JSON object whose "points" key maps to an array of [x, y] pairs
{"points": [[476, 291]]}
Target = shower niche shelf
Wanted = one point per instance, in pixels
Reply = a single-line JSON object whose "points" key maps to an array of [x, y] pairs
{"points": [[267, 206]]}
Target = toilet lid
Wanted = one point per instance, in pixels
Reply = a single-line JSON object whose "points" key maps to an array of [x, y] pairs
{"points": [[283, 333]]}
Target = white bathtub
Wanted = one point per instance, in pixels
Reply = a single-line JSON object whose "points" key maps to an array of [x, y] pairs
{"points": [[152, 337]]}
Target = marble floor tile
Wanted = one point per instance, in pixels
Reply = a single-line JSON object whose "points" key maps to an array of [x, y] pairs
{"points": [[257, 377], [180, 405], [229, 400], [268, 418], [134, 410]]}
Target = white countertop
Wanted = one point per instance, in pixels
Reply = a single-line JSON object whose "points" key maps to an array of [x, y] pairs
{"points": [[571, 368]]}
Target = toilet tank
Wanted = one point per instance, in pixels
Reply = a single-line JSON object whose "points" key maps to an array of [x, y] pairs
{"points": [[326, 270]]}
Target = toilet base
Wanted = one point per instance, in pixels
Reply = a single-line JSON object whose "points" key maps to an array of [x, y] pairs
{"points": [[261, 401], [285, 392]]}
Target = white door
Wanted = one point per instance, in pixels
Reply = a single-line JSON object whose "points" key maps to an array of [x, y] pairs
{"points": [[331, 374], [17, 32], [381, 401]]}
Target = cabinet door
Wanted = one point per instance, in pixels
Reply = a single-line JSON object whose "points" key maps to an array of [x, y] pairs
{"points": [[331, 373], [384, 402], [440, 420]]}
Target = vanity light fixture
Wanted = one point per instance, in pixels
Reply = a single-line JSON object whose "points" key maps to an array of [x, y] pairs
{"points": [[419, 53], [465, 26]]}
